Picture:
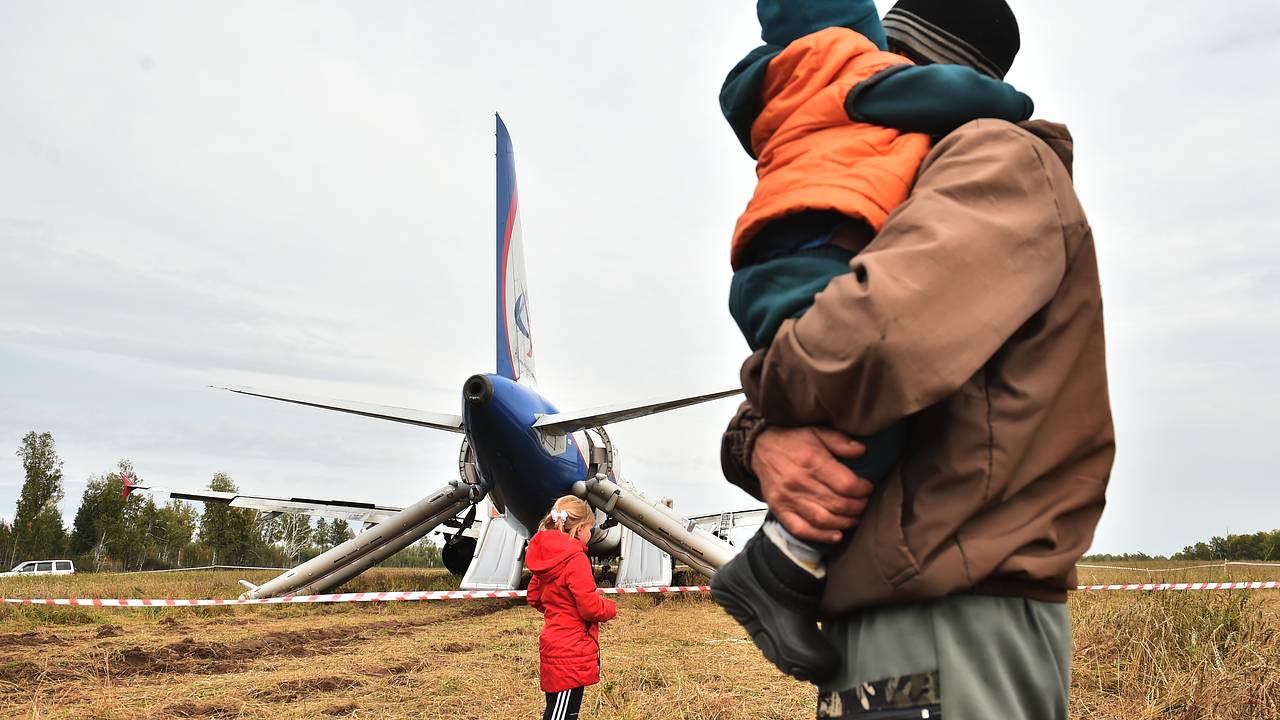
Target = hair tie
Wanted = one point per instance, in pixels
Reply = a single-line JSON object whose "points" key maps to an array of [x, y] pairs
{"points": [[560, 517]]}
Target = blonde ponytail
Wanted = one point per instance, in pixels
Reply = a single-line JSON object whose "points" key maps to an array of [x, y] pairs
{"points": [[567, 515]]}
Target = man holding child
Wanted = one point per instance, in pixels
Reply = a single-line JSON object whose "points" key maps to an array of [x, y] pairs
{"points": [[972, 319]]}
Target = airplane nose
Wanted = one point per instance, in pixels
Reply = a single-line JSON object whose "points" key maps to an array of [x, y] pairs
{"points": [[478, 390]]}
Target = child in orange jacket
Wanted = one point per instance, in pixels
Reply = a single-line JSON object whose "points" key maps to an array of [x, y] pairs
{"points": [[563, 589], [839, 127]]}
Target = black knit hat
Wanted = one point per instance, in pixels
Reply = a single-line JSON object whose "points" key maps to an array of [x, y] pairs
{"points": [[982, 34]]}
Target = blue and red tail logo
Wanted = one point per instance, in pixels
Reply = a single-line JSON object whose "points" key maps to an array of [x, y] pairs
{"points": [[514, 330]]}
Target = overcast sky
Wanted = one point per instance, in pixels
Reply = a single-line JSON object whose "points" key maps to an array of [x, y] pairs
{"points": [[300, 197]]}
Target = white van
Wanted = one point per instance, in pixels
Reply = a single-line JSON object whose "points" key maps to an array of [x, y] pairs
{"points": [[42, 567]]}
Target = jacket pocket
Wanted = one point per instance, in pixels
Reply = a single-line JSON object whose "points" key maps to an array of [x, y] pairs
{"points": [[894, 559], [1037, 534]]}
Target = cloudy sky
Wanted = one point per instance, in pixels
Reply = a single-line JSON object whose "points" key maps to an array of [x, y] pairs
{"points": [[300, 197]]}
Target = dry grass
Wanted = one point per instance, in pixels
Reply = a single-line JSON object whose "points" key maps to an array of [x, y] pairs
{"points": [[1176, 655], [1171, 656], [665, 657]]}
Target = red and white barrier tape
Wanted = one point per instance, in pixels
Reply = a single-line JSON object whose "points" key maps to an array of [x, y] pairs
{"points": [[334, 597], [1219, 565], [510, 594], [1268, 585], [1149, 570]]}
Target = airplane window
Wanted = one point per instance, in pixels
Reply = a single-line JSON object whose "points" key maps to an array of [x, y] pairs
{"points": [[44, 567]]}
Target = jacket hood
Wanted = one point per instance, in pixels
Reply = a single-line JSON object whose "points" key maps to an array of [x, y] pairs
{"points": [[548, 551], [782, 21], [1056, 136]]}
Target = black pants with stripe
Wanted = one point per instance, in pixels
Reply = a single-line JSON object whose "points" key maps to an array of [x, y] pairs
{"points": [[563, 705]]}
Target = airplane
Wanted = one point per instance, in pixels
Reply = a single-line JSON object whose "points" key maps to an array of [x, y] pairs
{"points": [[460, 544], [518, 454]]}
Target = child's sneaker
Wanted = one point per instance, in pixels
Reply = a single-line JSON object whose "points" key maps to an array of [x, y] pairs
{"points": [[777, 602]]}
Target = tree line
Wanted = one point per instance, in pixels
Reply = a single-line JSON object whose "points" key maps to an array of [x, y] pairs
{"points": [[114, 532], [1257, 547]]}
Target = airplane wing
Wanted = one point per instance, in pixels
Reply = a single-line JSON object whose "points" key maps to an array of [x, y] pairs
{"points": [[351, 511], [564, 423], [421, 418]]}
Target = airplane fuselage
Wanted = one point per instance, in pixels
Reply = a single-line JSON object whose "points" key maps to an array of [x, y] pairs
{"points": [[525, 468]]}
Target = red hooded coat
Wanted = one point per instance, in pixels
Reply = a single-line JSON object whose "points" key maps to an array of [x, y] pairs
{"points": [[563, 589]]}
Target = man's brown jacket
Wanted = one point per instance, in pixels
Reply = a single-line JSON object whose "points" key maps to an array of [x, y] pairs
{"points": [[976, 311]]}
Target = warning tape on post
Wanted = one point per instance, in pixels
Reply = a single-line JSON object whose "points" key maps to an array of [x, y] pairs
{"points": [[438, 595]]}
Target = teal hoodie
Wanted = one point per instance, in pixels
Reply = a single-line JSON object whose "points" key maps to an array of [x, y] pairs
{"points": [[783, 21], [933, 99]]}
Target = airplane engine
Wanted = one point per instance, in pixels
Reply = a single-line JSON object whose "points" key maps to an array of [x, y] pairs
{"points": [[469, 471]]}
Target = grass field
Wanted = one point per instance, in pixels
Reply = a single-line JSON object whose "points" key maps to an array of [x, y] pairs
{"points": [[1137, 655]]}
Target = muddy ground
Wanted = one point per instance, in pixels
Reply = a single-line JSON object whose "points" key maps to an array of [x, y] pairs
{"points": [[664, 657], [1138, 656]]}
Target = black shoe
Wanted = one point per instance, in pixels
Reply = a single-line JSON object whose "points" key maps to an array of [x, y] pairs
{"points": [[777, 602]]}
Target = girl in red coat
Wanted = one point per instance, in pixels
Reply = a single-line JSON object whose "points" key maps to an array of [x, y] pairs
{"points": [[563, 589]]}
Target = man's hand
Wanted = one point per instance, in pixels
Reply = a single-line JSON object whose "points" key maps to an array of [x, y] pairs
{"points": [[804, 483]]}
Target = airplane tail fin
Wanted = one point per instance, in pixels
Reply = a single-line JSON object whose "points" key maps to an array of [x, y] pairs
{"points": [[514, 335], [129, 486]]}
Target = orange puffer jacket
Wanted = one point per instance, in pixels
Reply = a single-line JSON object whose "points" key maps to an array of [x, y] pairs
{"points": [[811, 156]]}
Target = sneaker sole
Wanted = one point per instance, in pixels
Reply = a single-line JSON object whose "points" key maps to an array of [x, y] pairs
{"points": [[760, 636]]}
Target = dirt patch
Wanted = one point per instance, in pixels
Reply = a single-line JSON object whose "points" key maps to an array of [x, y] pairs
{"points": [[396, 669], [135, 658], [192, 656], [29, 639], [17, 673], [487, 607], [203, 710], [294, 690], [188, 646], [170, 623], [22, 675]]}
